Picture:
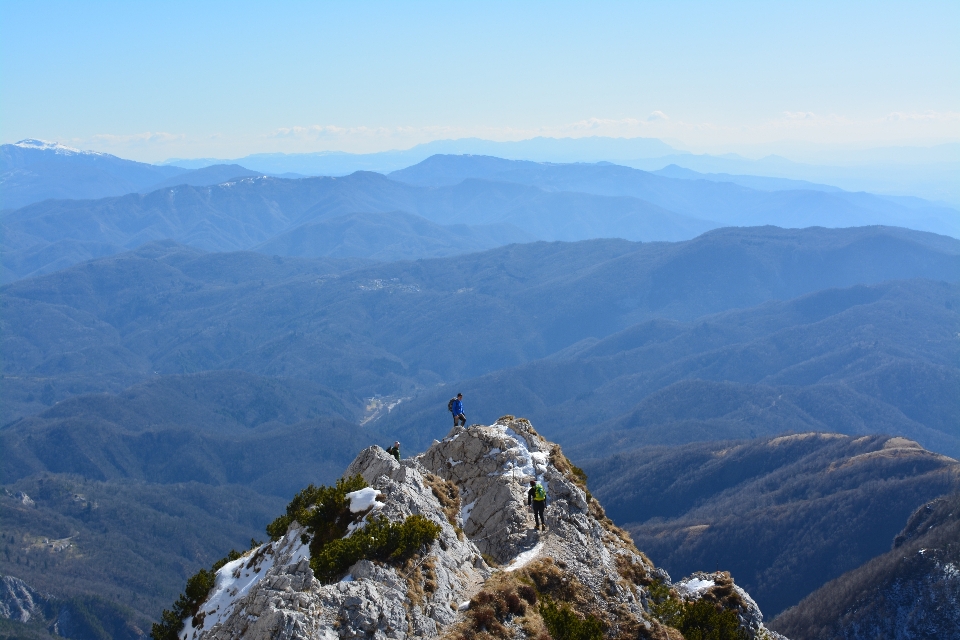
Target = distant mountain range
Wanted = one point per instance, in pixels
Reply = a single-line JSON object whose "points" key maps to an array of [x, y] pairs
{"points": [[204, 342], [34, 170], [336, 163], [790, 204], [932, 173], [245, 213], [446, 205]]}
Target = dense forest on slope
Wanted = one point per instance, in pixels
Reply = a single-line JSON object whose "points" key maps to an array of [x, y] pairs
{"points": [[128, 542], [861, 360], [230, 427], [395, 328], [912, 590], [781, 514]]}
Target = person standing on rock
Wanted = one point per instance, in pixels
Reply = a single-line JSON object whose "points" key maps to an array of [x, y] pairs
{"points": [[537, 498], [456, 408], [395, 450]]}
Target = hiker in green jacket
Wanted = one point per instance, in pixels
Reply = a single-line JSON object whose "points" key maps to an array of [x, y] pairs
{"points": [[395, 450], [537, 498]]}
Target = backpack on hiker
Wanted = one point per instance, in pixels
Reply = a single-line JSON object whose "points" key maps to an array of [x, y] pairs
{"points": [[539, 493], [450, 404]]}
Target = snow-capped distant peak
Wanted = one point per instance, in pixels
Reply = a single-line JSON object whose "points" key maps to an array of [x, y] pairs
{"points": [[56, 147]]}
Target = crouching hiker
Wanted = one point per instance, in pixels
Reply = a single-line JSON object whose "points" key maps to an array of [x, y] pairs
{"points": [[455, 406], [537, 498], [395, 450]]}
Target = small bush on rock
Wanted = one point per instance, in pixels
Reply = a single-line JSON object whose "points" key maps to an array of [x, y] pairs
{"points": [[325, 513], [698, 620], [702, 620], [564, 624]]}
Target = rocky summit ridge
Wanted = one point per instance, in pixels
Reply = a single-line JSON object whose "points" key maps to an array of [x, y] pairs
{"points": [[487, 574]]}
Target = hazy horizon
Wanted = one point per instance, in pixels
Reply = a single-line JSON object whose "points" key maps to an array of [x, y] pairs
{"points": [[153, 82]]}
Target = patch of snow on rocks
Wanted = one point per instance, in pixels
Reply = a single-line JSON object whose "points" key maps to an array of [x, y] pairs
{"points": [[363, 499], [465, 511], [524, 558], [526, 460], [694, 586], [235, 579]]}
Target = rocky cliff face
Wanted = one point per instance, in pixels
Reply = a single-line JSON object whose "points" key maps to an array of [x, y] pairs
{"points": [[19, 601], [488, 573]]}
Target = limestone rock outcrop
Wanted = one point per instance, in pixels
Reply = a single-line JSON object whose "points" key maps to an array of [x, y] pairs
{"points": [[19, 601], [473, 484]]}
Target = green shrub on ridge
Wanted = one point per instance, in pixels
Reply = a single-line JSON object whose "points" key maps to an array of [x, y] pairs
{"points": [[379, 540], [698, 620], [188, 604], [325, 513], [564, 624]]}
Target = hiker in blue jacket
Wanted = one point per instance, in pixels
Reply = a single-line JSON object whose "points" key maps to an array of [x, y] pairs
{"points": [[456, 408]]}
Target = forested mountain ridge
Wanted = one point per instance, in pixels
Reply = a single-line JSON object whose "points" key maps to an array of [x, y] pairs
{"points": [[859, 360], [119, 551], [218, 427], [247, 212], [911, 591], [389, 329], [783, 514], [170, 365], [512, 200]]}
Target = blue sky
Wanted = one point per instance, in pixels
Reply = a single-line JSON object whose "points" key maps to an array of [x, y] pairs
{"points": [[151, 80]]}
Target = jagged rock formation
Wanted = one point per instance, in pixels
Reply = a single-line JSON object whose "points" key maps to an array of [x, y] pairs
{"points": [[19, 601], [473, 485]]}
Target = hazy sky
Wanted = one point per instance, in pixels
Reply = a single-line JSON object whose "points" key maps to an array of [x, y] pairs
{"points": [[152, 80]]}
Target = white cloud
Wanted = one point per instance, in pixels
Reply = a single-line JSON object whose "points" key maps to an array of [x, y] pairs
{"points": [[145, 138], [925, 116]]}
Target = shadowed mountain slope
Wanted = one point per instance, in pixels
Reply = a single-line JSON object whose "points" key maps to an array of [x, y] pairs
{"points": [[784, 515], [223, 427], [389, 236], [911, 591], [860, 360]]}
